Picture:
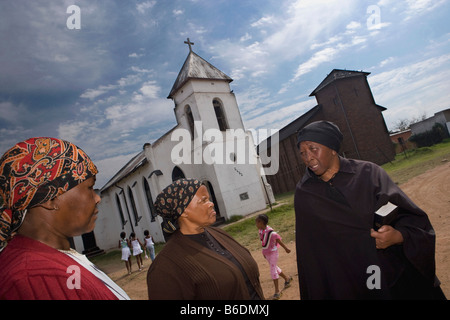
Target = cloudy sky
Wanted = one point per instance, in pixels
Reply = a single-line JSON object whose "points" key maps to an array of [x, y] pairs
{"points": [[103, 84]]}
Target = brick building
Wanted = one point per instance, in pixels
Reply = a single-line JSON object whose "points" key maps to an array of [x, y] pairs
{"points": [[401, 141], [343, 97]]}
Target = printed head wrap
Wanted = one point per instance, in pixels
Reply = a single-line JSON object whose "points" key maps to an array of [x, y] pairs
{"points": [[324, 132], [35, 171], [173, 200]]}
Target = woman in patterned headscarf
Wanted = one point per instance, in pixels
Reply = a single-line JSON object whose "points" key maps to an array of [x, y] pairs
{"points": [[47, 192], [199, 261]]}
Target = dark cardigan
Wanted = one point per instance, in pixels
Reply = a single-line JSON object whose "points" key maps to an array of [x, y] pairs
{"points": [[186, 270]]}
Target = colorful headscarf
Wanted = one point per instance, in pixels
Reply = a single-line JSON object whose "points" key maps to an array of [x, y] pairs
{"points": [[35, 171], [173, 200]]}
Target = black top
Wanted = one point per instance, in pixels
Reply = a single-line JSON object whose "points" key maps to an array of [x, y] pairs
{"points": [[336, 255]]}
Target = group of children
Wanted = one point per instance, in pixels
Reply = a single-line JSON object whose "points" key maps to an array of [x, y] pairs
{"points": [[270, 241], [136, 245]]}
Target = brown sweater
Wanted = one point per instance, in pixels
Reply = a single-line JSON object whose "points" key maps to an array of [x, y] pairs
{"points": [[186, 270]]}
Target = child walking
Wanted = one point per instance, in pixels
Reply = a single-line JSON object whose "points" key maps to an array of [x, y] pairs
{"points": [[137, 250], [126, 253], [270, 241], [149, 245]]}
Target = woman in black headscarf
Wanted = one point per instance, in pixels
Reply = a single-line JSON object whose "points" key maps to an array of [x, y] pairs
{"points": [[340, 255], [198, 262]]}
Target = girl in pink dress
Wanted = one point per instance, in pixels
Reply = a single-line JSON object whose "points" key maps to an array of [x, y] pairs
{"points": [[270, 241]]}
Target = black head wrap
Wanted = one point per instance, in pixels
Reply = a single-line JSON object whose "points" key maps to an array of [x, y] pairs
{"points": [[324, 132], [173, 200]]}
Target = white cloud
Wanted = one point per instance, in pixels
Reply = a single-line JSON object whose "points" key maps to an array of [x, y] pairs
{"points": [[12, 113], [290, 34], [136, 55], [317, 59], [264, 21], [386, 61], [144, 6], [245, 37], [413, 88], [353, 25], [128, 80], [177, 12], [418, 7]]}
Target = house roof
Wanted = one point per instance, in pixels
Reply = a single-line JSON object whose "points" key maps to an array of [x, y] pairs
{"points": [[336, 74], [195, 67]]}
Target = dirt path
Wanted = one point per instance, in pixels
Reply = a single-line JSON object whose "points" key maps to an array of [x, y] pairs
{"points": [[430, 191]]}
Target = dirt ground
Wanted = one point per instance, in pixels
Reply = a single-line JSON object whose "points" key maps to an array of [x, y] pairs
{"points": [[430, 191]]}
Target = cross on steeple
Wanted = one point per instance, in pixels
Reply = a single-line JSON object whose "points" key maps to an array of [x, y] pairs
{"points": [[190, 44]]}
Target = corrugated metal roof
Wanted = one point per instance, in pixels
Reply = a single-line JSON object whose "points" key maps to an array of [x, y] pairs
{"points": [[195, 67]]}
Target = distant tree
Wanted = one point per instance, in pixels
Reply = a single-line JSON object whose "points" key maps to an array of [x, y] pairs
{"points": [[405, 124]]}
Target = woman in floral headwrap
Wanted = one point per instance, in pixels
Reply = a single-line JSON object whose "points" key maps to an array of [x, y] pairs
{"points": [[198, 262], [47, 191]]}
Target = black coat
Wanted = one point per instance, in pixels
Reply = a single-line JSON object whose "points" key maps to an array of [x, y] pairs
{"points": [[335, 252]]}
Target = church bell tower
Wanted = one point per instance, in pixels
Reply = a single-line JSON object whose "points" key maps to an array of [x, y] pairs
{"points": [[202, 92], [229, 165]]}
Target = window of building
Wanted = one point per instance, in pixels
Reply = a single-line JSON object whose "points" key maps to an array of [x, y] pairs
{"points": [[190, 120], [177, 173], [220, 115], [133, 206], [148, 195], [119, 206]]}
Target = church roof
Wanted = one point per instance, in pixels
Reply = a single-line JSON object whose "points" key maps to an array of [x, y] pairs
{"points": [[195, 67], [336, 74], [135, 163]]}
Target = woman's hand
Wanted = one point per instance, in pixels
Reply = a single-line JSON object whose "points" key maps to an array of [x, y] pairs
{"points": [[386, 236]]}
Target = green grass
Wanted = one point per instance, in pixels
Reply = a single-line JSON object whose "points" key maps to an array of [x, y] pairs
{"points": [[417, 161], [281, 219]]}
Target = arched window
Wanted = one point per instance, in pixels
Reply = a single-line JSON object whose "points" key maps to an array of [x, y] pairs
{"points": [[133, 206], [220, 115], [119, 206], [177, 174], [190, 120], [148, 195], [213, 196]]}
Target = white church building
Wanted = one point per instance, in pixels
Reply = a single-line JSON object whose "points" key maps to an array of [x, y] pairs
{"points": [[208, 143]]}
